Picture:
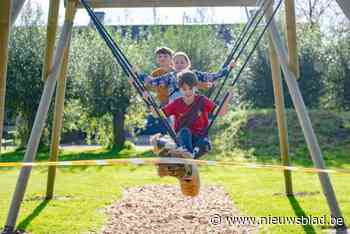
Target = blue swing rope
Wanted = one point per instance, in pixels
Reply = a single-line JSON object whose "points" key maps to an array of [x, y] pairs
{"points": [[244, 65], [239, 42], [127, 68]]}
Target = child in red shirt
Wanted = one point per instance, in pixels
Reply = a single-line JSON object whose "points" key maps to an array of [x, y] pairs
{"points": [[191, 115]]}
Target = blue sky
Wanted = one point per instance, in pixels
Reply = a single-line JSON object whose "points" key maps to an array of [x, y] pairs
{"points": [[213, 15], [164, 15]]}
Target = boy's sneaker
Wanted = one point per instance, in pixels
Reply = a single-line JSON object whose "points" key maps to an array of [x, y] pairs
{"points": [[176, 170], [183, 153], [180, 152], [186, 173], [165, 147]]}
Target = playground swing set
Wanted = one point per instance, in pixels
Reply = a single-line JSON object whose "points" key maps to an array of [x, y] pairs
{"points": [[55, 68], [187, 174]]}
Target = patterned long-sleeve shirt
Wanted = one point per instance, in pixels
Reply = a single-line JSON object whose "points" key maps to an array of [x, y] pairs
{"points": [[170, 80]]}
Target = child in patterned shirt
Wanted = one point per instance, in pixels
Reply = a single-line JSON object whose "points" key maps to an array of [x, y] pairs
{"points": [[181, 63]]}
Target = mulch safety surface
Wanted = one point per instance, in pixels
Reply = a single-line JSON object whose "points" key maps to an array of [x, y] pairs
{"points": [[163, 209]]}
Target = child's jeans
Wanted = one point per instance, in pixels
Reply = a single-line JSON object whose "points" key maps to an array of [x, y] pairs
{"points": [[191, 142]]}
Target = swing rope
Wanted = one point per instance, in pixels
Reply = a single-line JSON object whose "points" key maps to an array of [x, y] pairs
{"points": [[138, 84], [242, 35], [262, 9], [244, 65], [127, 68]]}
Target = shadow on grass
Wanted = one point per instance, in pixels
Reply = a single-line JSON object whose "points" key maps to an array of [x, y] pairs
{"points": [[36, 212], [299, 212]]}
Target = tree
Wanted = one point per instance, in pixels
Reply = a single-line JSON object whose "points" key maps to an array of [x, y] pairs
{"points": [[255, 87], [337, 73], [103, 88], [312, 10], [24, 86], [311, 79], [206, 51], [100, 85]]}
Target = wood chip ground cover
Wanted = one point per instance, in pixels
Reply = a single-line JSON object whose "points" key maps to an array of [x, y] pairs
{"points": [[163, 209]]}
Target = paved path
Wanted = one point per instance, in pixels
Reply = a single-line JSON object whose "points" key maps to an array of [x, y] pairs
{"points": [[141, 143]]}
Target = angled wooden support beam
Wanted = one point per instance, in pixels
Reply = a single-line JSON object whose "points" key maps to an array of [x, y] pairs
{"points": [[39, 123], [293, 60], [50, 37], [5, 25], [305, 121]]}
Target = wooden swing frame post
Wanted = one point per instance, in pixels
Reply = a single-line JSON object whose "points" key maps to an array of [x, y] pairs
{"points": [[280, 114], [5, 25], [305, 122], [57, 67], [58, 112], [291, 32], [40, 119]]}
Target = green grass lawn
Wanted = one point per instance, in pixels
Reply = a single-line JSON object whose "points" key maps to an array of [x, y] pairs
{"points": [[83, 192]]}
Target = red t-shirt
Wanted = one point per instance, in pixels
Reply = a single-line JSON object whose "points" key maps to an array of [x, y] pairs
{"points": [[179, 108]]}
